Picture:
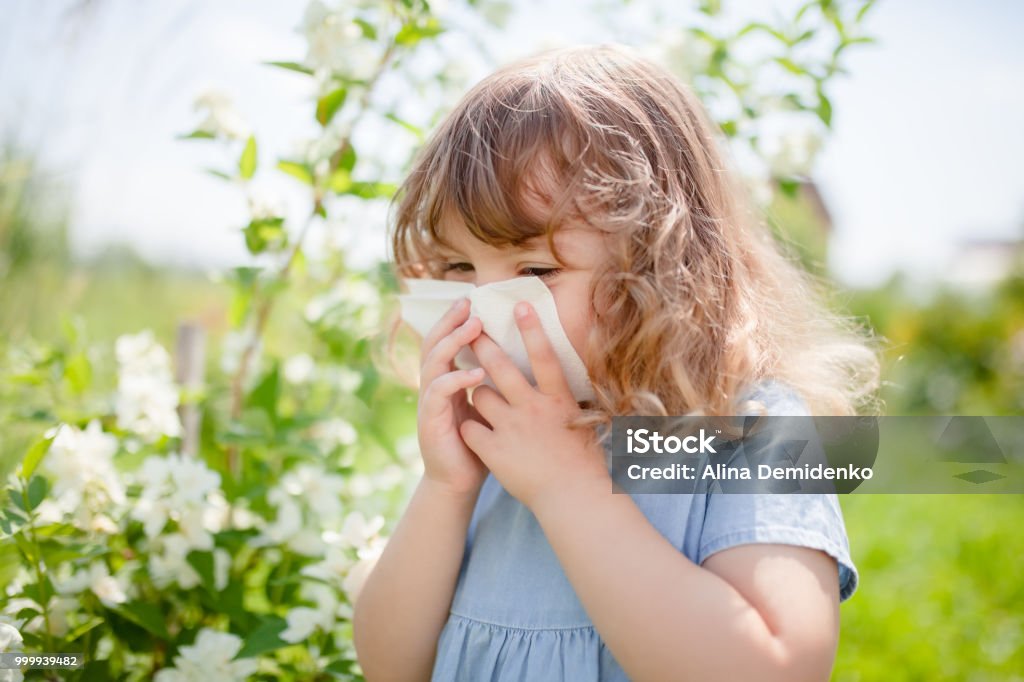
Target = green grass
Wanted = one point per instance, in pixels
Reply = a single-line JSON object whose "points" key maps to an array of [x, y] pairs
{"points": [[940, 595]]}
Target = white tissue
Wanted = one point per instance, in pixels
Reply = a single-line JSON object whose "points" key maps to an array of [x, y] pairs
{"points": [[429, 299]]}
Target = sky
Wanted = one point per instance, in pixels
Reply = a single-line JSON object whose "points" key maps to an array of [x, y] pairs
{"points": [[923, 155]]}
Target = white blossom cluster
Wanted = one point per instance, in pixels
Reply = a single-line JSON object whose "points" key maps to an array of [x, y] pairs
{"points": [[209, 658], [350, 554], [10, 643], [353, 300], [336, 41], [147, 397], [85, 484], [183, 490], [221, 118]]}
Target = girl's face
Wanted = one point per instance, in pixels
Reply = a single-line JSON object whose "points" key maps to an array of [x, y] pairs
{"points": [[583, 248]]}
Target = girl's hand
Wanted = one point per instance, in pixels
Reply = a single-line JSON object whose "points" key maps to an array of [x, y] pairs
{"points": [[443, 405], [528, 446]]}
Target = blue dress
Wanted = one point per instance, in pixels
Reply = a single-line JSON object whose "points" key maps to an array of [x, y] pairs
{"points": [[515, 616]]}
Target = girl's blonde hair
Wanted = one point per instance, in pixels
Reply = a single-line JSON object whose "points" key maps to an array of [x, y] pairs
{"points": [[697, 304]]}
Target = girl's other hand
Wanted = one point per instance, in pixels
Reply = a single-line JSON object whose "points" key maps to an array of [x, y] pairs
{"points": [[444, 405]]}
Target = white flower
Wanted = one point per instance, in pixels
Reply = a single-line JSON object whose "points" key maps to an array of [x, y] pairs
{"points": [[221, 117], [147, 397], [141, 354], [360, 571], [97, 578], [298, 369], [209, 658], [192, 479], [303, 620], [306, 542], [334, 432], [221, 568], [286, 524], [357, 531], [10, 638], [354, 300], [320, 490], [84, 478], [10, 642], [265, 205], [347, 380], [681, 52], [171, 565], [795, 153], [333, 567], [388, 477], [183, 489], [336, 43]]}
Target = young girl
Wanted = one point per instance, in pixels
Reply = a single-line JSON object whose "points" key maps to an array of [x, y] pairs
{"points": [[597, 171]]}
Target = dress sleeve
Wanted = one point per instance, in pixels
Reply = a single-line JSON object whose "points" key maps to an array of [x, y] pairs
{"points": [[808, 520]]}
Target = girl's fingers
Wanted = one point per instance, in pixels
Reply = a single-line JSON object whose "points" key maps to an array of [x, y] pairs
{"points": [[447, 385], [439, 359], [455, 316]]}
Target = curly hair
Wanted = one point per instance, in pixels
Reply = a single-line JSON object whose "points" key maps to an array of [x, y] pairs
{"points": [[697, 303]]}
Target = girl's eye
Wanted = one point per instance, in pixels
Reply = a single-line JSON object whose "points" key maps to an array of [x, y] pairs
{"points": [[543, 273]]}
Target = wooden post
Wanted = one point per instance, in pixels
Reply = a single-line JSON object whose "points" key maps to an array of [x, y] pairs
{"points": [[190, 353]]}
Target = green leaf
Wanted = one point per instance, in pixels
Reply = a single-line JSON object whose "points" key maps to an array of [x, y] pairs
{"points": [[264, 395], [10, 562], [328, 105], [415, 130], [803, 9], [83, 628], [218, 174], [264, 638], [37, 489], [864, 10], [790, 65], [264, 233], [145, 615], [789, 187], [35, 455], [292, 66], [297, 170], [239, 306], [203, 563], [247, 162], [348, 157], [372, 190], [806, 35], [78, 372], [710, 7], [197, 135], [413, 32], [761, 26], [369, 30], [824, 109], [340, 181]]}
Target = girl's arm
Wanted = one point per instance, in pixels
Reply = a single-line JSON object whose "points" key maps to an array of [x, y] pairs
{"points": [[755, 611], [404, 603]]}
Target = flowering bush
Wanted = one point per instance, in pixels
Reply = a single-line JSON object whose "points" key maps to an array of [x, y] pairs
{"points": [[237, 550]]}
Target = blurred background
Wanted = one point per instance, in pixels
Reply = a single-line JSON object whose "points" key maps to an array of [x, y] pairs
{"points": [[218, 174]]}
